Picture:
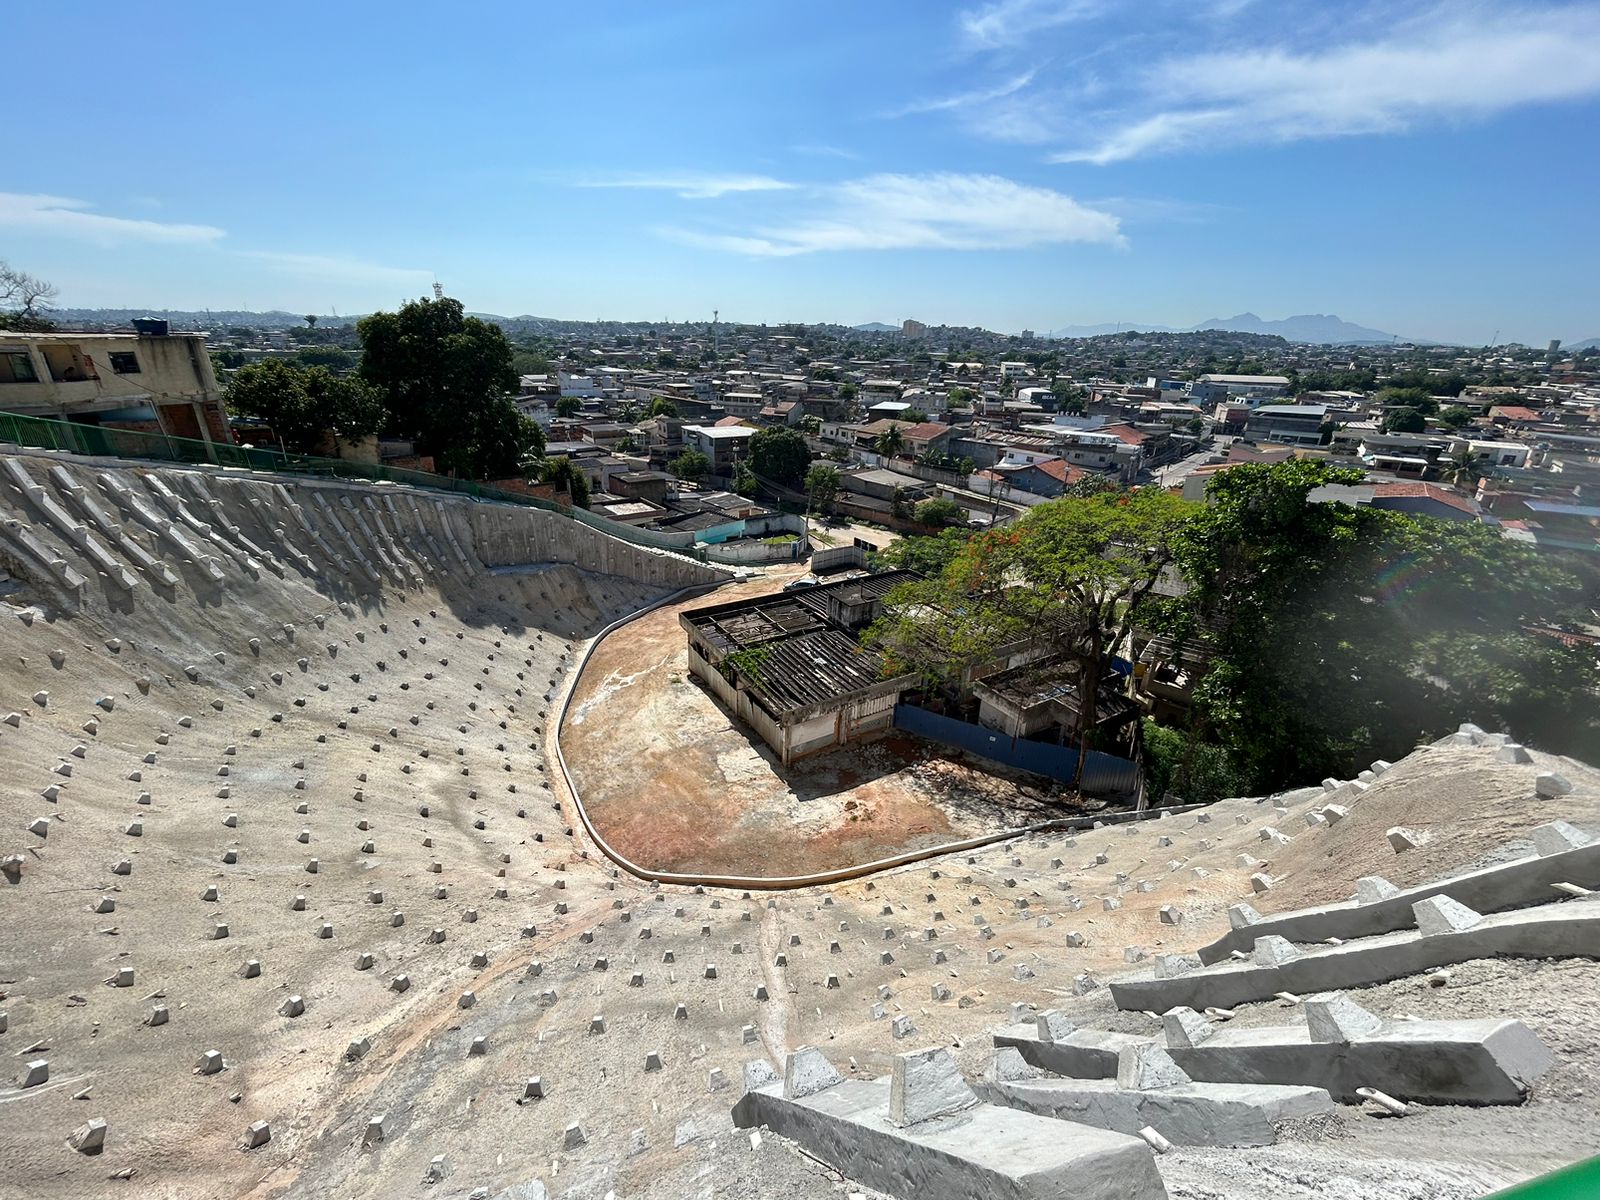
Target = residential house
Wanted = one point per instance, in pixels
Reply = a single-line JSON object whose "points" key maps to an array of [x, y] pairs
{"points": [[154, 380]]}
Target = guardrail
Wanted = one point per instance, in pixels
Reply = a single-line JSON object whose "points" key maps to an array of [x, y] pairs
{"points": [[102, 441]]}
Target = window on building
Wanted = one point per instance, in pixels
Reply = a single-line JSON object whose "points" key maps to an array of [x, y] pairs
{"points": [[124, 362], [17, 367]]}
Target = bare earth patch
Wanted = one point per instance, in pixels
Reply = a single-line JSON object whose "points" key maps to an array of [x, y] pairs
{"points": [[675, 783]]}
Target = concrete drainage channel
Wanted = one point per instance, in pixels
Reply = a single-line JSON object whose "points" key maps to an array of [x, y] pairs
{"points": [[790, 882]]}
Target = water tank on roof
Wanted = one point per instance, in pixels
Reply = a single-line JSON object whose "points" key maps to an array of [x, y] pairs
{"points": [[150, 326]]}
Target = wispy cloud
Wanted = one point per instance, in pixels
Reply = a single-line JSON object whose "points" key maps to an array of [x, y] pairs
{"points": [[59, 216], [689, 185], [1449, 66], [1002, 23], [339, 269], [999, 91], [935, 211], [823, 150]]}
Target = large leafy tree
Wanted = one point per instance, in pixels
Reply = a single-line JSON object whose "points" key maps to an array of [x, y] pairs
{"points": [[447, 380], [1341, 634], [305, 404], [780, 454], [1072, 577]]}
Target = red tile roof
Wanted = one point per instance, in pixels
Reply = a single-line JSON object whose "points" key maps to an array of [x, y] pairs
{"points": [[1126, 433], [1430, 491]]}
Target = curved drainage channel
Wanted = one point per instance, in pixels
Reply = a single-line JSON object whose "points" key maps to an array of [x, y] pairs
{"points": [[776, 883]]}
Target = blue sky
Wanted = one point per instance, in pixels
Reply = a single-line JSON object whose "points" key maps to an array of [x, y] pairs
{"points": [[1427, 169]]}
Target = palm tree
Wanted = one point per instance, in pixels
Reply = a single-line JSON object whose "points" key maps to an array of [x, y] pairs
{"points": [[890, 442], [1462, 468]]}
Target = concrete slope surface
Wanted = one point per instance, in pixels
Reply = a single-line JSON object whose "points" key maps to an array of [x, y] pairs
{"points": [[295, 903]]}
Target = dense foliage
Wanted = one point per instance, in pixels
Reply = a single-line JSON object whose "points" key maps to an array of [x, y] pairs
{"points": [[780, 454], [303, 405], [447, 381]]}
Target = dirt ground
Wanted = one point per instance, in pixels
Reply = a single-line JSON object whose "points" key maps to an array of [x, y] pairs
{"points": [[676, 783]]}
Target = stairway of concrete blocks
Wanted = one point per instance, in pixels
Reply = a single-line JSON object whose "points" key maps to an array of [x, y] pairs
{"points": [[297, 904]]}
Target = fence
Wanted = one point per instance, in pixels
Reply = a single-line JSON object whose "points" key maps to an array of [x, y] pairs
{"points": [[1102, 772], [103, 441]]}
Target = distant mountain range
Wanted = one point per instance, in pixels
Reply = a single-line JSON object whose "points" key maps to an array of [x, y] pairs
{"points": [[876, 327], [1321, 328], [1587, 344]]}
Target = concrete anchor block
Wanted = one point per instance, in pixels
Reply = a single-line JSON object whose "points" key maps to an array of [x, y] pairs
{"points": [[1558, 836], [1441, 914], [34, 1073], [158, 1016], [209, 1063], [1242, 916], [1334, 1017], [806, 1071], [257, 1133], [1184, 1028], [1402, 839], [1171, 914], [1511, 752], [1148, 1067], [573, 1136], [652, 1060], [1274, 951], [533, 1088], [1372, 888], [1260, 883], [925, 1084], [293, 1006], [479, 1046], [1552, 786], [90, 1137], [1054, 1026]]}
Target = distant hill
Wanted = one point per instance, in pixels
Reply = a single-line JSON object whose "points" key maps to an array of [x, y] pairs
{"points": [[1316, 327], [876, 327], [1587, 344], [1324, 329]]}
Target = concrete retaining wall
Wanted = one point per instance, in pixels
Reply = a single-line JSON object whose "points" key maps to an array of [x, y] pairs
{"points": [[1550, 931], [1493, 889], [995, 1153]]}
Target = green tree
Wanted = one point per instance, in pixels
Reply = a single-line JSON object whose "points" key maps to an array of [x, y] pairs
{"points": [[311, 320], [960, 397], [927, 555], [745, 482], [780, 454], [1343, 634], [1070, 397], [1404, 420], [568, 406], [529, 362], [690, 465], [305, 404], [1455, 417], [661, 407], [846, 391], [941, 511], [822, 485], [564, 473], [890, 442], [331, 357], [1072, 577], [1461, 467], [446, 379]]}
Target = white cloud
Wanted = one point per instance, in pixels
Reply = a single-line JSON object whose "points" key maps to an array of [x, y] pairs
{"points": [[339, 269], [58, 216], [1002, 23], [823, 150], [936, 211], [968, 99], [689, 185], [1438, 68]]}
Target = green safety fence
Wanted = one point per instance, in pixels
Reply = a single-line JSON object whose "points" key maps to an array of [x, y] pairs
{"points": [[102, 441], [1581, 1181]]}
